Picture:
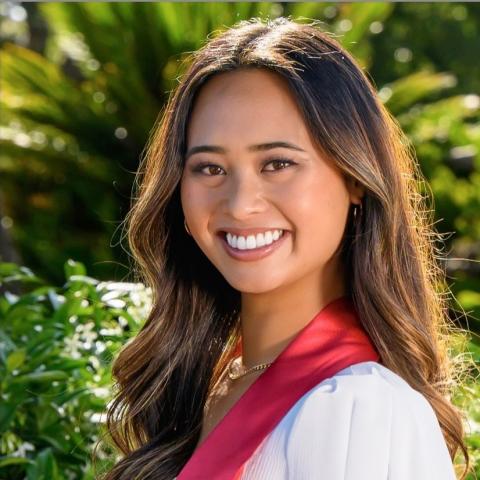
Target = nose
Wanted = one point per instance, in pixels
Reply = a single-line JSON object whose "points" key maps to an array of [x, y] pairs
{"points": [[244, 197]]}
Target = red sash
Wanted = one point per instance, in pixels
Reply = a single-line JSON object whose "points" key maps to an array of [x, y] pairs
{"points": [[333, 340]]}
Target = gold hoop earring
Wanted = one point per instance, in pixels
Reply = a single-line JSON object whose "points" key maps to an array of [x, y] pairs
{"points": [[186, 227]]}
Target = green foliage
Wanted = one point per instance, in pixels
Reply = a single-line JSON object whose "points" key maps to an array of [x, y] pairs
{"points": [[76, 115], [56, 348]]}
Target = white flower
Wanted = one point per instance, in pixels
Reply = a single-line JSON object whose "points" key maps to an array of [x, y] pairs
{"points": [[23, 449]]}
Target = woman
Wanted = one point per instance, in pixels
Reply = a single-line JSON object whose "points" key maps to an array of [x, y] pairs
{"points": [[296, 330]]}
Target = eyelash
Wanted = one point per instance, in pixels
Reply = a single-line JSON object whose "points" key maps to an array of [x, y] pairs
{"points": [[198, 168]]}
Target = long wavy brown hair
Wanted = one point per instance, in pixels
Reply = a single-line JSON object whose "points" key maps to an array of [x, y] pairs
{"points": [[164, 375]]}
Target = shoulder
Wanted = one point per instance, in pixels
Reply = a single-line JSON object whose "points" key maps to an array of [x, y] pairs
{"points": [[366, 419], [371, 386], [362, 390]]}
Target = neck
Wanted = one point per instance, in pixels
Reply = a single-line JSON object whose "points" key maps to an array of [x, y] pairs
{"points": [[270, 321]]}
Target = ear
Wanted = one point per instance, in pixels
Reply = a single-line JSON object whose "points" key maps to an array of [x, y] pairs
{"points": [[355, 190]]}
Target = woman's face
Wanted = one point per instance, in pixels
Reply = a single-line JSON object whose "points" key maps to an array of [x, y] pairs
{"points": [[228, 185]]}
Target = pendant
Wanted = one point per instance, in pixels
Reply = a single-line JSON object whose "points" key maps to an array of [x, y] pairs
{"points": [[236, 369]]}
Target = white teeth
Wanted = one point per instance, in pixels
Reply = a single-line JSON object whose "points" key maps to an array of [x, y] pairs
{"points": [[260, 240], [241, 243], [253, 241]]}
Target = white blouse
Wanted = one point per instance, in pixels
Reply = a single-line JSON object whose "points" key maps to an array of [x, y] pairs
{"points": [[364, 423]]}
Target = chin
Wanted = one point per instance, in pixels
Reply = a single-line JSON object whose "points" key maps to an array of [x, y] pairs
{"points": [[252, 283]]}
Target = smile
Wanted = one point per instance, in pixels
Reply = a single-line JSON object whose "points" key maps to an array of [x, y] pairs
{"points": [[253, 247], [251, 242]]}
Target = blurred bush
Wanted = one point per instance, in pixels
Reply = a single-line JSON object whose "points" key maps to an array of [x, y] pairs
{"points": [[81, 89], [56, 347]]}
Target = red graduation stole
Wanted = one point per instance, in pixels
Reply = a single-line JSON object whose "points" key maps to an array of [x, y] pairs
{"points": [[333, 340]]}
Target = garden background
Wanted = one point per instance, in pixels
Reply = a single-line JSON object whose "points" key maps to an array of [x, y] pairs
{"points": [[81, 85]]}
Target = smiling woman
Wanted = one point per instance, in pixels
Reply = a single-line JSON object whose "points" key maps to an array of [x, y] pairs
{"points": [[297, 330]]}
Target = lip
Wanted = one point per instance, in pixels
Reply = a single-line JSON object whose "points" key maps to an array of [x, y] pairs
{"points": [[256, 253]]}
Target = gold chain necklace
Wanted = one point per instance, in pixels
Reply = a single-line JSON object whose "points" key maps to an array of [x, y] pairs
{"points": [[236, 369]]}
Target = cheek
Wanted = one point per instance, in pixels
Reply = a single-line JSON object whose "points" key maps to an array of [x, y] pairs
{"points": [[191, 199], [197, 205], [318, 213]]}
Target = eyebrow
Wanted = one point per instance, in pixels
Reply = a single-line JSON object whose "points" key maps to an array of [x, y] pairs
{"points": [[252, 148]]}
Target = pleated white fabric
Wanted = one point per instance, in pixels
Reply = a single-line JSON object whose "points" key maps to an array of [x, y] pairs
{"points": [[364, 423]]}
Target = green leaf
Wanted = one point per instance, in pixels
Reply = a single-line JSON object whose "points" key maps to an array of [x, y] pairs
{"points": [[361, 15], [5, 461], [7, 414], [41, 377], [83, 279], [16, 359], [66, 397], [410, 89], [67, 364], [7, 345], [469, 299], [10, 272], [74, 268], [45, 467], [474, 349]]}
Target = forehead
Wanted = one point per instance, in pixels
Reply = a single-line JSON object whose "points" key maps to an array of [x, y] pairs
{"points": [[253, 103]]}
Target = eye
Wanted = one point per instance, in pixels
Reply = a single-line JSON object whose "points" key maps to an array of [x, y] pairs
{"points": [[201, 166], [280, 161]]}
